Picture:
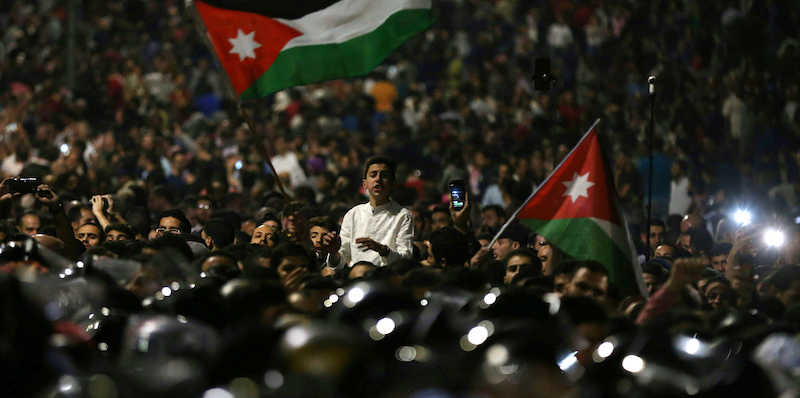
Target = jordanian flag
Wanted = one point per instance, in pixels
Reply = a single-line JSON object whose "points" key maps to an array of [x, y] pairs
{"points": [[576, 210], [266, 46]]}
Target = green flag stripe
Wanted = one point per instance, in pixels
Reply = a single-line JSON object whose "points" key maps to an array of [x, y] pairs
{"points": [[299, 66], [583, 239]]}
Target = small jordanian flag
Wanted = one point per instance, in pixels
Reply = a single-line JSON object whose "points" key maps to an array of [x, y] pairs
{"points": [[576, 209], [266, 46]]}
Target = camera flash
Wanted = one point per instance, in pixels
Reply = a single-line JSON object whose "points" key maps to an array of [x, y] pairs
{"points": [[774, 238], [65, 149], [743, 217]]}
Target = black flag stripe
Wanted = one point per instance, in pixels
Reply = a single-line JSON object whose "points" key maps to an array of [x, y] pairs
{"points": [[274, 9]]}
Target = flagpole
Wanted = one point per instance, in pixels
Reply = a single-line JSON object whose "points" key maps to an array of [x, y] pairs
{"points": [[514, 216], [652, 92], [260, 147]]}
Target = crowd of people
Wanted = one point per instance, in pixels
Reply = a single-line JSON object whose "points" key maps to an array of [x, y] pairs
{"points": [[149, 250]]}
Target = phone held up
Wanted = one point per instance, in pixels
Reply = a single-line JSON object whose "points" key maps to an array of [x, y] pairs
{"points": [[458, 194], [23, 185]]}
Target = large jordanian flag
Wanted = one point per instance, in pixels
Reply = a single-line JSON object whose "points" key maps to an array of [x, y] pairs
{"points": [[269, 45], [576, 209]]}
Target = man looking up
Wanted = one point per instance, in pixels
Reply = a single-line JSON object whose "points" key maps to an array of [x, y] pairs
{"points": [[379, 231]]}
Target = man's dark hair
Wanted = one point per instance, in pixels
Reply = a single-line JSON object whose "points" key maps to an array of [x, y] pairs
{"points": [[440, 209], [382, 159], [101, 233], [701, 240], [451, 245], [174, 242], [124, 228], [25, 213], [323, 222], [593, 266], [185, 226], [497, 209], [167, 192], [139, 219], [565, 268], [74, 213], [269, 216], [535, 262], [722, 248], [220, 231], [289, 250], [655, 222], [783, 277], [654, 268], [422, 277], [717, 278]]}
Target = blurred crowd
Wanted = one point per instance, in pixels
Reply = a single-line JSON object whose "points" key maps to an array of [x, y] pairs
{"points": [[149, 251]]}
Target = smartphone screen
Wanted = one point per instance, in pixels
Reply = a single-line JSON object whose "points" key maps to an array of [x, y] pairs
{"points": [[458, 192]]}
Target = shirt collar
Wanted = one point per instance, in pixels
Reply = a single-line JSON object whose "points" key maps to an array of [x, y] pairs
{"points": [[381, 208]]}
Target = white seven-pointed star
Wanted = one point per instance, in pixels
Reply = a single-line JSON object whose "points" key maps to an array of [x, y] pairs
{"points": [[244, 45], [579, 186]]}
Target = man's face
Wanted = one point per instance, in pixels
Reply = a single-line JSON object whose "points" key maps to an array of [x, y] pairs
{"points": [[291, 263], [513, 265], [560, 283], [317, 233], [717, 295], [378, 182], [419, 223], [490, 219], [116, 235], [665, 252], [657, 236], [652, 283], [588, 284], [503, 247], [720, 263], [30, 224], [742, 277], [168, 224], [264, 235], [440, 220], [296, 225], [791, 296], [89, 235], [204, 210]]}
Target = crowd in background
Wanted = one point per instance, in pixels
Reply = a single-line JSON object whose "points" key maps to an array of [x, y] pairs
{"points": [[148, 145]]}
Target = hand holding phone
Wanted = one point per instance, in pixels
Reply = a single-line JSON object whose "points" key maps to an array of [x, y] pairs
{"points": [[23, 185], [458, 194]]}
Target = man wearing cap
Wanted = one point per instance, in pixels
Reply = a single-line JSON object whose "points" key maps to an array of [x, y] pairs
{"points": [[511, 239]]}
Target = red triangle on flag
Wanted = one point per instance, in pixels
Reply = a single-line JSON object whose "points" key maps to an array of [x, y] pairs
{"points": [[580, 187], [246, 43]]}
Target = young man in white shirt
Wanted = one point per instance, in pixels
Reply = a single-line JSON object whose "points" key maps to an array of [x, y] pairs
{"points": [[379, 231]]}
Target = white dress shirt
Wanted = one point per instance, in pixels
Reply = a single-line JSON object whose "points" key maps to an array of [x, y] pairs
{"points": [[389, 224]]}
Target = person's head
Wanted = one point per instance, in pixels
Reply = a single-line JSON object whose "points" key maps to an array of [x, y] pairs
{"points": [[219, 261], [519, 260], [689, 222], [379, 178], [288, 257], [295, 222], [562, 273], [204, 207], [656, 232], [700, 242], [717, 292], [80, 214], [422, 221], [440, 217], [119, 231], [590, 279], [513, 238], [359, 269], [665, 251], [319, 227], [448, 247], [590, 320], [172, 221], [784, 284], [265, 235], [90, 234], [719, 256], [272, 220], [654, 275], [218, 234], [161, 198], [29, 223], [493, 217]]}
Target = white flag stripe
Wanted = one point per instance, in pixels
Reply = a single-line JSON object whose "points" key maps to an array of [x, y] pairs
{"points": [[347, 19]]}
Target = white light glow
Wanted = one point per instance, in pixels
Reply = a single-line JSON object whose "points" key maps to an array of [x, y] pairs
{"points": [[490, 298], [166, 291], [333, 298], [605, 349], [355, 295], [633, 364], [385, 326], [743, 217], [567, 362], [273, 379], [406, 354], [692, 346], [296, 337], [478, 335], [774, 238]]}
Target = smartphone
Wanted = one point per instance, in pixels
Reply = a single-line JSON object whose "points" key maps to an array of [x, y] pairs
{"points": [[458, 194], [23, 185]]}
